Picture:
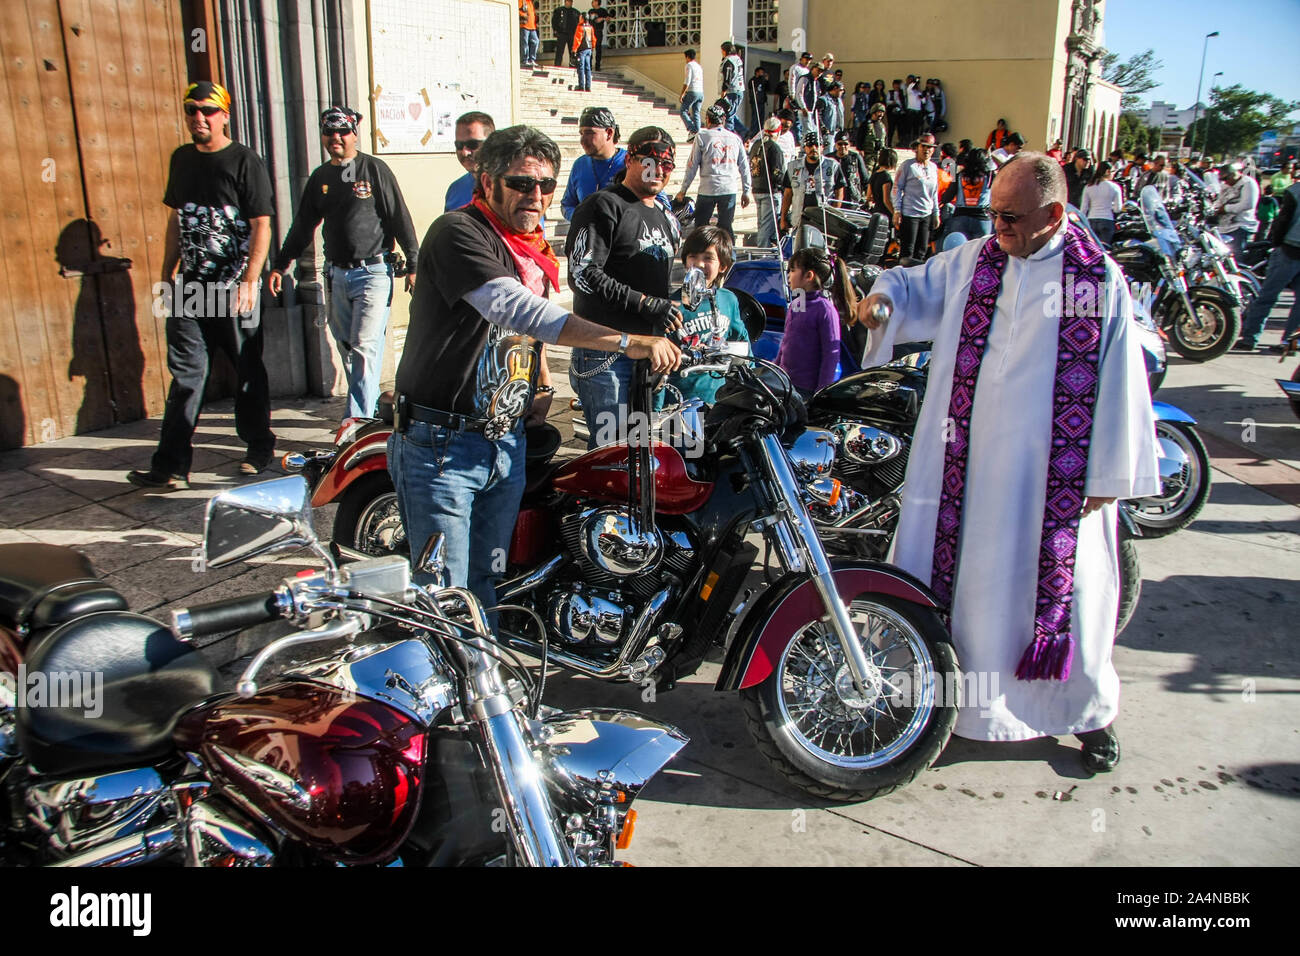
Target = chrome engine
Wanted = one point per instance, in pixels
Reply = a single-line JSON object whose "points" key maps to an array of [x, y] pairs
{"points": [[618, 568]]}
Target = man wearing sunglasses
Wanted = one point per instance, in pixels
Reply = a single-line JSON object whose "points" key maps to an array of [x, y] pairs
{"points": [[471, 130], [361, 205], [473, 367], [1037, 417], [218, 236], [621, 247]]}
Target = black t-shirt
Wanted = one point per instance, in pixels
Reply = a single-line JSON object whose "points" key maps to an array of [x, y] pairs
{"points": [[455, 360], [855, 176], [216, 195], [875, 189], [363, 211], [618, 249]]}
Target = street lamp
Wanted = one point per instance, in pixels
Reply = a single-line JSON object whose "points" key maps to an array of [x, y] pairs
{"points": [[1205, 146], [1196, 108]]}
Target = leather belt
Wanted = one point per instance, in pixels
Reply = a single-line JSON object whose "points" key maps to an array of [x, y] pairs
{"points": [[433, 416], [358, 263]]}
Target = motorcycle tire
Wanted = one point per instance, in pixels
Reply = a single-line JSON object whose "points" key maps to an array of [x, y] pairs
{"points": [[821, 773], [368, 520], [1188, 504], [1130, 581], [1218, 309]]}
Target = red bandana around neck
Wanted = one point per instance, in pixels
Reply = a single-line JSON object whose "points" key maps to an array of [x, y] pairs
{"points": [[531, 246]]}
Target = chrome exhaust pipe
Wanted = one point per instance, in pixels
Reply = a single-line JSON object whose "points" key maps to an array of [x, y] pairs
{"points": [[129, 850]]}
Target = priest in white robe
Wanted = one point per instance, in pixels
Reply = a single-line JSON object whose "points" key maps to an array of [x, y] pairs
{"points": [[1009, 438]]}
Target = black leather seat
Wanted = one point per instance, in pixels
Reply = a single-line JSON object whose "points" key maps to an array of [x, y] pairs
{"points": [[148, 678], [43, 586]]}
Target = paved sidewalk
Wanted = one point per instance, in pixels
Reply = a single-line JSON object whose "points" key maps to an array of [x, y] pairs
{"points": [[1210, 722]]}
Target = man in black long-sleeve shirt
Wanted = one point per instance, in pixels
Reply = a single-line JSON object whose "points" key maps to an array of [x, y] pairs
{"points": [[621, 247], [358, 199]]}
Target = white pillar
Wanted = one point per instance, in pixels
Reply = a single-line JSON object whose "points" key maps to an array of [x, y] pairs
{"points": [[720, 21], [792, 26]]}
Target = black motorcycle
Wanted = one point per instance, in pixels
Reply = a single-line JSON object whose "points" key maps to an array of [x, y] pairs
{"points": [[1202, 321]]}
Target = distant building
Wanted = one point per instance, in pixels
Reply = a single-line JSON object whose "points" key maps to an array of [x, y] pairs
{"points": [[1168, 117]]}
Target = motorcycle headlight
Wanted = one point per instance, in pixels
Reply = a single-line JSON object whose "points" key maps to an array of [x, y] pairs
{"points": [[867, 445]]}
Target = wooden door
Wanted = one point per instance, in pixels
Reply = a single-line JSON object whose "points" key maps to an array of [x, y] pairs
{"points": [[90, 98]]}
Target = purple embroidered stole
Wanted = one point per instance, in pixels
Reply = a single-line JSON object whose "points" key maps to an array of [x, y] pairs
{"points": [[1074, 394]]}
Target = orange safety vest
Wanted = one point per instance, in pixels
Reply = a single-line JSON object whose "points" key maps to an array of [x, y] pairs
{"points": [[527, 14]]}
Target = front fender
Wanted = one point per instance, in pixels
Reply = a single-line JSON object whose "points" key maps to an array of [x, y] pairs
{"points": [[1168, 413], [792, 602]]}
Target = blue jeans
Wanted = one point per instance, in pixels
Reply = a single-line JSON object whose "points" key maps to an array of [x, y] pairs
{"points": [[603, 394], [733, 110], [1283, 273], [972, 227], [726, 207], [584, 70], [528, 44], [1104, 228], [359, 302], [465, 486], [690, 111], [769, 216]]}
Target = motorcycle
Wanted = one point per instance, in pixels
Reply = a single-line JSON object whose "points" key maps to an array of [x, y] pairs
{"points": [[413, 740], [1202, 321], [636, 557]]}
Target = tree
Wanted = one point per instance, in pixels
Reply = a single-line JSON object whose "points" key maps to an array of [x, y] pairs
{"points": [[1236, 118], [1135, 76], [1133, 133]]}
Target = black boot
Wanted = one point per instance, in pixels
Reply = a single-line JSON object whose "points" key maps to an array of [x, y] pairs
{"points": [[1100, 750]]}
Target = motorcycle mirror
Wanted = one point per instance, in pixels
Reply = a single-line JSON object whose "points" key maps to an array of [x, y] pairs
{"points": [[433, 559], [259, 518], [694, 289]]}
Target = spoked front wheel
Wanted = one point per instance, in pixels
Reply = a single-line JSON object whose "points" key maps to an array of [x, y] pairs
{"points": [[834, 740]]}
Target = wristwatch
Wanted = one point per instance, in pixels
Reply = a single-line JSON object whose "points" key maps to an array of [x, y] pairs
{"points": [[624, 341]]}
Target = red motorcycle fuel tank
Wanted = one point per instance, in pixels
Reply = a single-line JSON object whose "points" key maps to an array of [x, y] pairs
{"points": [[338, 773], [602, 473]]}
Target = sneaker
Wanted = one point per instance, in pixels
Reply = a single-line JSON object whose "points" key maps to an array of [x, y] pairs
{"points": [[691, 138], [1100, 750], [156, 479], [1243, 345]]}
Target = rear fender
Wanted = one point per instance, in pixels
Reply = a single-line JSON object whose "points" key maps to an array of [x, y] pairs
{"points": [[1168, 413], [367, 454], [792, 602]]}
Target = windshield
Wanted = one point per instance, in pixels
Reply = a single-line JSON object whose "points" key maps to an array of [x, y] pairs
{"points": [[1158, 222]]}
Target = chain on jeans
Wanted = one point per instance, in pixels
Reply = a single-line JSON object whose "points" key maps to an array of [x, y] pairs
{"points": [[604, 366]]}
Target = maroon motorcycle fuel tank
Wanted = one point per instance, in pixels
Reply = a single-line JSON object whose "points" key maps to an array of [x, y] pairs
{"points": [[338, 773], [602, 473]]}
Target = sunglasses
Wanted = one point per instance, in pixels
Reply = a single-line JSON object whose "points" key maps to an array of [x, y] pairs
{"points": [[191, 109], [526, 184], [925, 145], [1009, 218], [666, 166], [469, 144], [336, 132]]}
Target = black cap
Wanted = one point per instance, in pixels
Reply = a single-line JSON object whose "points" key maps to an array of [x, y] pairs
{"points": [[810, 139], [716, 114], [1017, 139], [805, 53]]}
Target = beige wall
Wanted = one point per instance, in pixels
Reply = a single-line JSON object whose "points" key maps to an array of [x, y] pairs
{"points": [[1008, 62], [666, 67]]}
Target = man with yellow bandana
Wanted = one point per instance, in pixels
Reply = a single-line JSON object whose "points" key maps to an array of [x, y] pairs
{"points": [[218, 237]]}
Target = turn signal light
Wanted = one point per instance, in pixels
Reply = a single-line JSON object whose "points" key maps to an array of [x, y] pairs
{"points": [[836, 486], [625, 835]]}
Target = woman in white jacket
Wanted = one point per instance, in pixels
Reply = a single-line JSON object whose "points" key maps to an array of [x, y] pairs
{"points": [[1102, 201]]}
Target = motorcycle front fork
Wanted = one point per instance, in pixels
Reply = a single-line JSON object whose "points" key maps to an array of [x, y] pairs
{"points": [[800, 550]]}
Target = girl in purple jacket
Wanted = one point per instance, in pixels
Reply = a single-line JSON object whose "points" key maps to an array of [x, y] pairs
{"points": [[810, 348]]}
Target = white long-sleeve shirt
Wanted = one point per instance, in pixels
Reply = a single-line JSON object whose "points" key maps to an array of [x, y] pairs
{"points": [[719, 157], [1102, 200], [1239, 200]]}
